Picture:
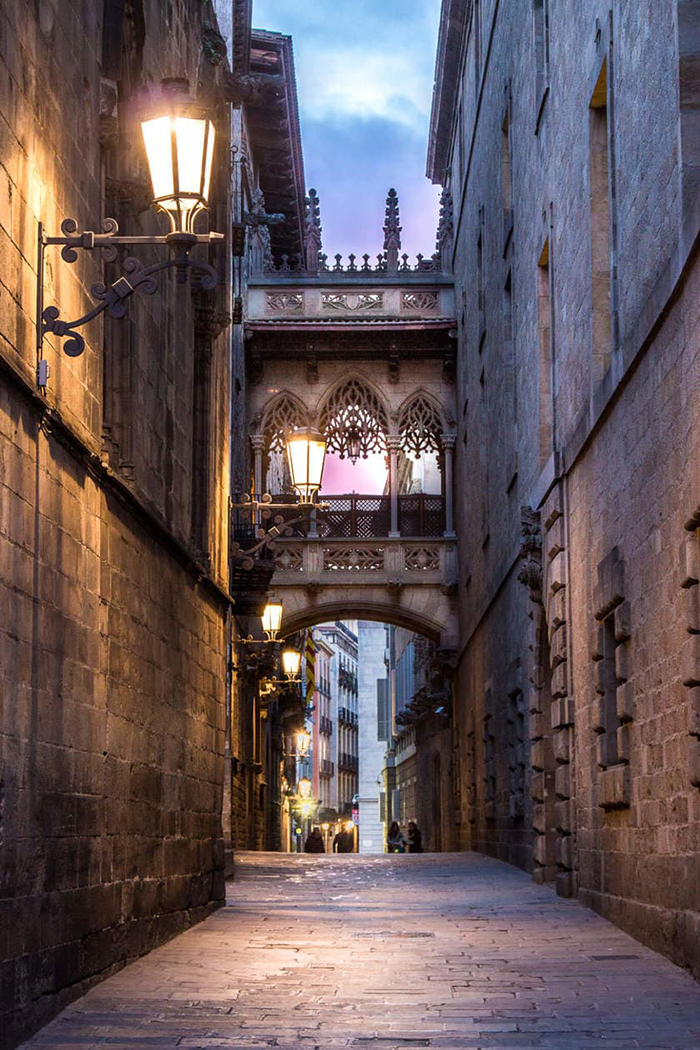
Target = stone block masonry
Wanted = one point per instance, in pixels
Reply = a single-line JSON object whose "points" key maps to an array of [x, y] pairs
{"points": [[589, 297], [113, 598]]}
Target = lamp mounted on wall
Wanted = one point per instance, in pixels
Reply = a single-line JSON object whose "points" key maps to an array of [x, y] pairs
{"points": [[271, 621], [306, 455], [179, 141]]}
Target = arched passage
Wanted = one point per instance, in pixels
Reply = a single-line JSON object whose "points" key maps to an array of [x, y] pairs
{"points": [[377, 612]]}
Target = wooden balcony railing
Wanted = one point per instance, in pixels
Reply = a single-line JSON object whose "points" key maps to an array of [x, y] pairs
{"points": [[369, 517]]}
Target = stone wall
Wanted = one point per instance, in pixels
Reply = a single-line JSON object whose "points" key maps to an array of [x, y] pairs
{"points": [[574, 186], [113, 524]]}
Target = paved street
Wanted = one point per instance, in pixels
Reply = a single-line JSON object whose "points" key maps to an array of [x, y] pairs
{"points": [[451, 950]]}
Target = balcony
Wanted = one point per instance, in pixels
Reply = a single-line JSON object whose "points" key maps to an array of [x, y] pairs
{"points": [[347, 717], [348, 762], [325, 726], [369, 517], [326, 768]]}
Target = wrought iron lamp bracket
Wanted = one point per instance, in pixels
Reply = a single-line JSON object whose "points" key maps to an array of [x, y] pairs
{"points": [[266, 537], [112, 298]]}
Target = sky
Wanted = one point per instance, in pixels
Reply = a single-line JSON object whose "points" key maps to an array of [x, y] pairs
{"points": [[364, 73]]}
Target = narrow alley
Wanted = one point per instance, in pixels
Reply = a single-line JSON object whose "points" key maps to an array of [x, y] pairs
{"points": [[442, 950]]}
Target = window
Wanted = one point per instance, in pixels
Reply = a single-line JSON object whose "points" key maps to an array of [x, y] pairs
{"points": [[546, 356], [507, 176], [541, 22], [602, 203], [606, 687], [383, 713]]}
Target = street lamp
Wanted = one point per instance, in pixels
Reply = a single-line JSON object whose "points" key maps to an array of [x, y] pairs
{"points": [[180, 147], [179, 139], [306, 454], [303, 743], [304, 787], [291, 662], [272, 619]]}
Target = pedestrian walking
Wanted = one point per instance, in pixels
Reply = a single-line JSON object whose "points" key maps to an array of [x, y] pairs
{"points": [[339, 841], [395, 842], [314, 843], [415, 842]]}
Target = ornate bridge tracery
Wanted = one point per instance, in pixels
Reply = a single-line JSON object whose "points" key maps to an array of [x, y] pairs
{"points": [[366, 355]]}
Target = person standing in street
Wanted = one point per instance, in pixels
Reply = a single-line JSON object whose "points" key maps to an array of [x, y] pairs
{"points": [[415, 843], [339, 845], [395, 842], [314, 843]]}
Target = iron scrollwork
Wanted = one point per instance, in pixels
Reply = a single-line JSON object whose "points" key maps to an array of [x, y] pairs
{"points": [[112, 298]]}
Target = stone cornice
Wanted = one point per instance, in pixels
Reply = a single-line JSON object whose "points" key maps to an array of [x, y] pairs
{"points": [[453, 22]]}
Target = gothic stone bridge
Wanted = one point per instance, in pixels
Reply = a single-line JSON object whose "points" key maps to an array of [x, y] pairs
{"points": [[366, 355]]}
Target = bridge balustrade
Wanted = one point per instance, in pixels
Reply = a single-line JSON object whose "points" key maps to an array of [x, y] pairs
{"points": [[369, 517]]}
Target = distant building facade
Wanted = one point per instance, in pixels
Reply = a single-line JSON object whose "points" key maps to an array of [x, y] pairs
{"points": [[566, 137]]}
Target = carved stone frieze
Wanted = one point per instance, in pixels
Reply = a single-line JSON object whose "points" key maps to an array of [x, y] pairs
{"points": [[419, 301], [422, 559], [285, 302], [358, 302], [353, 559]]}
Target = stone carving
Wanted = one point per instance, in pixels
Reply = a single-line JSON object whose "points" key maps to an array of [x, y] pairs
{"points": [[359, 302], [259, 239], [280, 417], [353, 559], [354, 421], [285, 302], [419, 301], [392, 231], [420, 427], [290, 559], [445, 232], [312, 233], [530, 573], [256, 88], [422, 559]]}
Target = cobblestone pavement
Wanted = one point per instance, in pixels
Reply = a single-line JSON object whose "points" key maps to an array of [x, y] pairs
{"points": [[442, 950]]}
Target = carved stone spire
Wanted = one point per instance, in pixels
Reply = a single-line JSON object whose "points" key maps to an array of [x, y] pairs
{"points": [[445, 231], [392, 232], [312, 232]]}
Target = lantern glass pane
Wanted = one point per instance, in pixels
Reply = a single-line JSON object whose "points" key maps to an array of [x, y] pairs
{"points": [[190, 134], [208, 160], [156, 136], [291, 661]]}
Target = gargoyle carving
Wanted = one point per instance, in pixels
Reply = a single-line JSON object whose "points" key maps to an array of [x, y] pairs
{"points": [[257, 88]]}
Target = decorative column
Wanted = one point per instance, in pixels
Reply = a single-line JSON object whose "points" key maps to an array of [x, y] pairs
{"points": [[393, 443], [258, 443], [448, 446]]}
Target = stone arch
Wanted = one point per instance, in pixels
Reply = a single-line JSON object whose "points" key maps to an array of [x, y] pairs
{"points": [[421, 424], [359, 609], [279, 417], [354, 418]]}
